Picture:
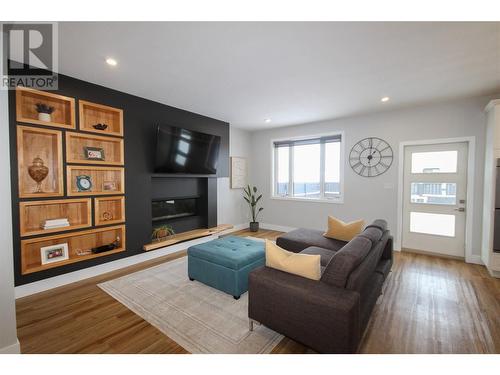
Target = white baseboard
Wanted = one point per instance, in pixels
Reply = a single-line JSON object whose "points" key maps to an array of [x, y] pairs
{"points": [[474, 259], [280, 228], [494, 273], [68, 278], [11, 349]]}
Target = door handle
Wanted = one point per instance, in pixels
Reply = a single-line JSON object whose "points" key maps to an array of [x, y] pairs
{"points": [[460, 209]]}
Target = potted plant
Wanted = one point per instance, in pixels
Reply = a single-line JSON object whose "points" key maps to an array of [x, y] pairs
{"points": [[250, 194], [161, 232], [44, 112]]}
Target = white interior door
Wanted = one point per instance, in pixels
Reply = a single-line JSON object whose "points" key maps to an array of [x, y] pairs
{"points": [[434, 193]]}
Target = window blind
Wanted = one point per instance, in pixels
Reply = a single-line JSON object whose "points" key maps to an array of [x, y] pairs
{"points": [[308, 141]]}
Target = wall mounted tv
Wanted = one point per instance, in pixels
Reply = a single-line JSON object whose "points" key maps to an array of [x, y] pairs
{"points": [[185, 151]]}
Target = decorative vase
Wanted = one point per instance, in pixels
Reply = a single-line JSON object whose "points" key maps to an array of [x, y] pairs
{"points": [[254, 226], [44, 117], [38, 172], [161, 234]]}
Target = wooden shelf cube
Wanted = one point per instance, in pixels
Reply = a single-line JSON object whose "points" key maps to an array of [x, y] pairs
{"points": [[92, 114], [109, 210], [99, 176], [45, 144], [78, 243], [110, 148], [64, 108], [32, 215]]}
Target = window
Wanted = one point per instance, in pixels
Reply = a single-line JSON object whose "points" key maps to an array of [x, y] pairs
{"points": [[308, 168], [434, 162]]}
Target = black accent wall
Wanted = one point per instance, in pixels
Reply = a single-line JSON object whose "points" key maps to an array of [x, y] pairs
{"points": [[140, 119]]}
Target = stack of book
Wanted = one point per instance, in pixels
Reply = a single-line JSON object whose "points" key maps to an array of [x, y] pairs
{"points": [[55, 223]]}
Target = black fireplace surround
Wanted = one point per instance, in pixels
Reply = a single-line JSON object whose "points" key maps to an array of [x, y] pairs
{"points": [[183, 203]]}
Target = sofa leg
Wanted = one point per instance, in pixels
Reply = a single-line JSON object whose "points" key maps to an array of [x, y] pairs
{"points": [[190, 279], [236, 297], [251, 324]]}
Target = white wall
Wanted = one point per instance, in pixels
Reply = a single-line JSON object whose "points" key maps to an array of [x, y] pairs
{"points": [[231, 206], [376, 197], [8, 333]]}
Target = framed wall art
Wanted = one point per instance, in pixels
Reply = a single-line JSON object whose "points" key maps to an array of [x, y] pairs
{"points": [[238, 172]]}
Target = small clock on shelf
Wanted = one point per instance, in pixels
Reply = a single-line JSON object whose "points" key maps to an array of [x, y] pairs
{"points": [[83, 183], [371, 157]]}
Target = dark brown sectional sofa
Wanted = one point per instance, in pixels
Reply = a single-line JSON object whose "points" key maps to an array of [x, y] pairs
{"points": [[329, 315]]}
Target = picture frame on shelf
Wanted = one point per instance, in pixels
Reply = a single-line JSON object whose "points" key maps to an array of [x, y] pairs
{"points": [[93, 153], [109, 186], [54, 253]]}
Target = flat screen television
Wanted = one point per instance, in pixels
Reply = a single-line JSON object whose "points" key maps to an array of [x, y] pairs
{"points": [[185, 151]]}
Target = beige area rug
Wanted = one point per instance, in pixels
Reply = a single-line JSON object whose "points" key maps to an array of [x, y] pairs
{"points": [[199, 318]]}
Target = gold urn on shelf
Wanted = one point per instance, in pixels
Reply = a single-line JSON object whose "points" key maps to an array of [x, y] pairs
{"points": [[38, 171]]}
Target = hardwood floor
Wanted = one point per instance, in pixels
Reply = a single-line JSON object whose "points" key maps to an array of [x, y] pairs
{"points": [[429, 305]]}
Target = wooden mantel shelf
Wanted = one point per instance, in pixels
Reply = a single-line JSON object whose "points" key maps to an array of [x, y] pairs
{"points": [[190, 235]]}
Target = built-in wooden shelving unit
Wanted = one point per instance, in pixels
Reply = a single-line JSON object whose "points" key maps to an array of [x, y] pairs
{"points": [[64, 108], [33, 214], [78, 243], [40, 153], [44, 145], [99, 176], [186, 236], [109, 210], [92, 114], [110, 148]]}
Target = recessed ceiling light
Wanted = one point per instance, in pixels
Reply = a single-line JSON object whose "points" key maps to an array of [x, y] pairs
{"points": [[111, 61], [385, 99], [268, 120]]}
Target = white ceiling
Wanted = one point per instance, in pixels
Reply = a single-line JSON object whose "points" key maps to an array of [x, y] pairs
{"points": [[292, 73]]}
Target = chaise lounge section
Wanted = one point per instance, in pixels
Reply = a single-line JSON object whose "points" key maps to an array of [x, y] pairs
{"points": [[331, 314]]}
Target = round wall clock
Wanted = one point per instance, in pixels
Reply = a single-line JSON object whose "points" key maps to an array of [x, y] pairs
{"points": [[83, 183], [371, 157]]}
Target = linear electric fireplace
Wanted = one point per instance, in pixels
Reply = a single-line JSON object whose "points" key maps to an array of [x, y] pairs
{"points": [[167, 209], [183, 203]]}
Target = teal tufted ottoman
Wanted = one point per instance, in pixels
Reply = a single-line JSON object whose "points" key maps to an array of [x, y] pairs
{"points": [[225, 263]]}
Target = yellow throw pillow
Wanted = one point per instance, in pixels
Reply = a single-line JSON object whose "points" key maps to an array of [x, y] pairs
{"points": [[305, 265], [338, 230]]}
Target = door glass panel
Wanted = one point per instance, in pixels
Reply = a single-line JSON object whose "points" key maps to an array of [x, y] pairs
{"points": [[429, 223], [306, 171], [434, 193], [434, 162]]}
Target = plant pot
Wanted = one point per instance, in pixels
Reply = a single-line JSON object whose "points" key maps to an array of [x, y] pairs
{"points": [[254, 226], [44, 117]]}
